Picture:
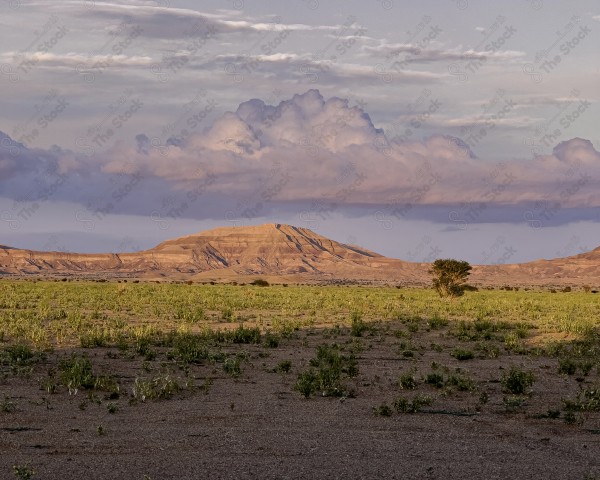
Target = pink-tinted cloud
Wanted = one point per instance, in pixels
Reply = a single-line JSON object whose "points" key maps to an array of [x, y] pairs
{"points": [[310, 148]]}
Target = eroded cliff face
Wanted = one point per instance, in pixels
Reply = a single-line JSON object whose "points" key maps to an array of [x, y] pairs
{"points": [[271, 249], [282, 250]]}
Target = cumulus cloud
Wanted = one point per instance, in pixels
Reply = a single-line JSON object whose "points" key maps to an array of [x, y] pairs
{"points": [[306, 149]]}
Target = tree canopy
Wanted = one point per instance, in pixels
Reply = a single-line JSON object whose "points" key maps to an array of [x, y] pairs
{"points": [[450, 276]]}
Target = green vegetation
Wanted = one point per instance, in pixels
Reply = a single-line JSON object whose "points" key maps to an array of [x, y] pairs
{"points": [[404, 405], [358, 326], [517, 381], [159, 387], [43, 315], [450, 277], [171, 340], [23, 472], [462, 354], [327, 370], [408, 381]]}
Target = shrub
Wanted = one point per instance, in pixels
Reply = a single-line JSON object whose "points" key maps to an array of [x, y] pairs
{"points": [[513, 402], [567, 365], [435, 379], [358, 325], [245, 335], [517, 381], [403, 405], [271, 340], [328, 369], [461, 354], [259, 282], [588, 400], [188, 348], [382, 410], [232, 366], [461, 382], [7, 406], [407, 381], [436, 322], [76, 372], [307, 383], [284, 366], [19, 355], [23, 472]]}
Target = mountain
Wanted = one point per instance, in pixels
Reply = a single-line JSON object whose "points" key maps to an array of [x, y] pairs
{"points": [[266, 250], [280, 252], [579, 269]]}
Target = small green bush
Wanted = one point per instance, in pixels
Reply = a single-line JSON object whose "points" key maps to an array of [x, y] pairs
{"points": [[435, 379], [284, 366], [326, 373], [462, 354], [436, 322], [358, 325], [567, 365], [403, 405], [232, 366], [188, 348], [382, 410], [76, 372], [23, 472], [408, 381], [517, 381], [461, 382]]}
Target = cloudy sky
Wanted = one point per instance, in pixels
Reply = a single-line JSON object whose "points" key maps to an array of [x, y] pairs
{"points": [[463, 128]]}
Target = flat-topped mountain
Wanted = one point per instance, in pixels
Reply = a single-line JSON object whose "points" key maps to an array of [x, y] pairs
{"points": [[284, 252], [270, 249]]}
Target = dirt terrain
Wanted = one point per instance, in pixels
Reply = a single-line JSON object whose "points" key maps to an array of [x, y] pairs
{"points": [[257, 425], [286, 253]]}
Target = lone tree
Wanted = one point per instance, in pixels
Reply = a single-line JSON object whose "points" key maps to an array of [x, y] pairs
{"points": [[449, 276]]}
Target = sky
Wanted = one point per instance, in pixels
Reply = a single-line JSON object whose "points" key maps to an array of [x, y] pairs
{"points": [[420, 130]]}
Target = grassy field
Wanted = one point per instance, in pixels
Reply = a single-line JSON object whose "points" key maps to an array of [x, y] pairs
{"points": [[111, 348], [59, 314]]}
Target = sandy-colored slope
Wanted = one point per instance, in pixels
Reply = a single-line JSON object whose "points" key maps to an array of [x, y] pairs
{"points": [[283, 252], [582, 269], [271, 250]]}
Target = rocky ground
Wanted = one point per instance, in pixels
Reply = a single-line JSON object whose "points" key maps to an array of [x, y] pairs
{"points": [[254, 423]]}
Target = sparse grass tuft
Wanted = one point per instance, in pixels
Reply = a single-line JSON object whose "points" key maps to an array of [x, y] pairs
{"points": [[160, 387], [76, 372]]}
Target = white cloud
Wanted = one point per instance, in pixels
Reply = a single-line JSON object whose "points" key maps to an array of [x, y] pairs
{"points": [[308, 148]]}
